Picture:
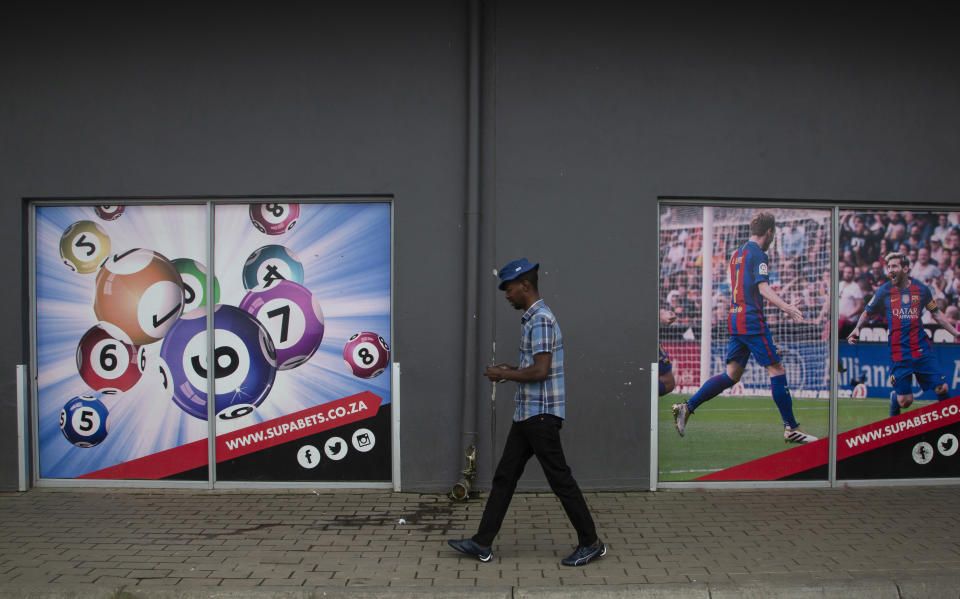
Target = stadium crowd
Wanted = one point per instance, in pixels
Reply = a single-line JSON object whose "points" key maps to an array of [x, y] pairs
{"points": [[931, 241], [800, 256]]}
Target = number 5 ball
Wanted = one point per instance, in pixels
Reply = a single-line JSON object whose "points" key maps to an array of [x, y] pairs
{"points": [[244, 362], [139, 296], [293, 318], [366, 354], [83, 421], [274, 219], [84, 246], [106, 364]]}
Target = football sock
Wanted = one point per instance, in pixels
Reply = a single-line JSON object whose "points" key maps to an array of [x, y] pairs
{"points": [[713, 387], [894, 404], [661, 387], [781, 396]]}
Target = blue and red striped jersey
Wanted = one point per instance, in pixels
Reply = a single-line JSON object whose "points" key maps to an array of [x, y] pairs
{"points": [[903, 308], [748, 268]]}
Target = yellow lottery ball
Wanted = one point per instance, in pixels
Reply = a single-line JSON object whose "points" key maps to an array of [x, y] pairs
{"points": [[84, 246]]}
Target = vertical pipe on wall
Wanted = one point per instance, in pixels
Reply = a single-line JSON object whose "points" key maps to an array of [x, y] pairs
{"points": [[468, 424]]}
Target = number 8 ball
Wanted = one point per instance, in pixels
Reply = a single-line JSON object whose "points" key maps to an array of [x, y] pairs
{"points": [[366, 354]]}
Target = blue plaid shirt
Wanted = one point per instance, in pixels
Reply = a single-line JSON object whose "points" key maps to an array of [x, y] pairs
{"points": [[539, 332]]}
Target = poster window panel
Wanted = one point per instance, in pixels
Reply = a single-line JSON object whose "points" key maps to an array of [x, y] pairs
{"points": [[108, 290], [302, 341], [893, 423], [710, 273]]}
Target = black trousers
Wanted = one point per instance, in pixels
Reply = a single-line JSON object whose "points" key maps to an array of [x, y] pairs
{"points": [[537, 436]]}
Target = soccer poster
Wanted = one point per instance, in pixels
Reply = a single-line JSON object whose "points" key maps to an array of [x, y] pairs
{"points": [[898, 295], [300, 303], [744, 342]]}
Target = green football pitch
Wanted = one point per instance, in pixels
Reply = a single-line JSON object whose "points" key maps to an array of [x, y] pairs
{"points": [[728, 431]]}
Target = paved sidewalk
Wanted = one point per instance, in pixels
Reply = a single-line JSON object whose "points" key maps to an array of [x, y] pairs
{"points": [[859, 542]]}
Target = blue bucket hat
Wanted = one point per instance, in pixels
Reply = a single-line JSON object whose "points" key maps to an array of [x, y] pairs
{"points": [[514, 269]]}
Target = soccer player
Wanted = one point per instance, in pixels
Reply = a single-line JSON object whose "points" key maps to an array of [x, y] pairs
{"points": [[667, 383], [903, 298], [749, 334]]}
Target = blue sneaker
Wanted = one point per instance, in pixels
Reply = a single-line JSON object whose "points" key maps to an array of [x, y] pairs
{"points": [[584, 553], [470, 547]]}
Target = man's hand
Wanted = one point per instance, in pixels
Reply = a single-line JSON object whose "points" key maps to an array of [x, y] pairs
{"points": [[793, 312], [853, 337], [495, 373]]}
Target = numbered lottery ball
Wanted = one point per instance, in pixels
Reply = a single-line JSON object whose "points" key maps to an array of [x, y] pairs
{"points": [[139, 296], [194, 276], [84, 246], [366, 354], [109, 212], [293, 318], [244, 363], [106, 364], [274, 219], [84, 421], [270, 264]]}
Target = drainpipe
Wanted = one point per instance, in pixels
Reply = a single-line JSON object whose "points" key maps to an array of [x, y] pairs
{"points": [[468, 421]]}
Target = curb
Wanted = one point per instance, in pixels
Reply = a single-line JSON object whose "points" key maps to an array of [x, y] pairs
{"points": [[928, 587]]}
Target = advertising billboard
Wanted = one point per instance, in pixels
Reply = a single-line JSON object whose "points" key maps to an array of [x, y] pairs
{"points": [[298, 301]]}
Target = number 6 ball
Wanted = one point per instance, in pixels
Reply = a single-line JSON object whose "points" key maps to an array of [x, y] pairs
{"points": [[83, 420], [366, 354], [106, 364]]}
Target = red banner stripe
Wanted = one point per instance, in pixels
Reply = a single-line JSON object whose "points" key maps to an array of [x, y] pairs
{"points": [[851, 443], [248, 440]]}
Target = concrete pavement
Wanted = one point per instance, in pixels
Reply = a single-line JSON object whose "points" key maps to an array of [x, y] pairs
{"points": [[846, 542]]}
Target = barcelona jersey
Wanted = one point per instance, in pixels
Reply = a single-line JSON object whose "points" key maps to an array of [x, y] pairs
{"points": [[903, 308], [748, 268]]}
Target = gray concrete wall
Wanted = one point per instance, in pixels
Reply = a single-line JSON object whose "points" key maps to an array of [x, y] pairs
{"points": [[591, 111]]}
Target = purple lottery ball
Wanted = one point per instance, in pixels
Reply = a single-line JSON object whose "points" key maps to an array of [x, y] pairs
{"points": [[245, 362], [293, 318]]}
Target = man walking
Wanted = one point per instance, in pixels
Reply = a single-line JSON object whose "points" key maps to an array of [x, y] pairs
{"points": [[537, 421]]}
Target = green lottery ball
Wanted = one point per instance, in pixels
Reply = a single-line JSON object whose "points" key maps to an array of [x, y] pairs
{"points": [[84, 246], [194, 275]]}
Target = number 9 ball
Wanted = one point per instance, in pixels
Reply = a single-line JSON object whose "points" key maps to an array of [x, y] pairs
{"points": [[244, 362], [366, 354], [83, 420]]}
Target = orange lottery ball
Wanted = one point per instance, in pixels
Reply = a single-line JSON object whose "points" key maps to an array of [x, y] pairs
{"points": [[139, 296]]}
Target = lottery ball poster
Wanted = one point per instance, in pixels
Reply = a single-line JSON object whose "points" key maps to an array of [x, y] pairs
{"points": [[281, 350]]}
